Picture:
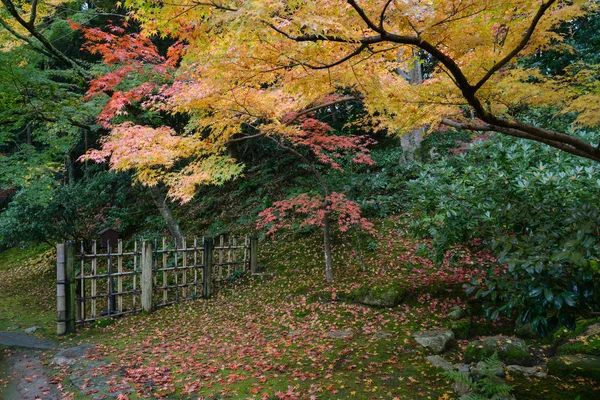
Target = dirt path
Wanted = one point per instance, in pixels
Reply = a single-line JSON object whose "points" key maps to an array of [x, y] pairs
{"points": [[22, 368]]}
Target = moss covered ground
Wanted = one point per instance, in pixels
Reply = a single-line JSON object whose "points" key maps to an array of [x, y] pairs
{"points": [[293, 336], [28, 289]]}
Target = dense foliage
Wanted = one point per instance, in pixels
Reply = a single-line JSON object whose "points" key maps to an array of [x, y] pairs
{"points": [[268, 92], [536, 208]]}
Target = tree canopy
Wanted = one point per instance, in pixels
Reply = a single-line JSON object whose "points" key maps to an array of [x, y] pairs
{"points": [[249, 68]]}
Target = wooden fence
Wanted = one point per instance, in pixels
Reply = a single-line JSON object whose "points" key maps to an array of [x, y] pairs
{"points": [[112, 282]]}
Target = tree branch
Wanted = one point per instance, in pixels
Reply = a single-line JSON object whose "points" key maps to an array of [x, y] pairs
{"points": [[53, 51], [582, 149], [382, 15], [320, 106], [324, 38], [538, 16], [365, 18], [340, 61], [24, 38], [33, 13]]}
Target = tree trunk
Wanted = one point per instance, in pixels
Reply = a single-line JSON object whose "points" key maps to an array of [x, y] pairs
{"points": [[70, 169], [327, 248], [161, 203], [411, 141]]}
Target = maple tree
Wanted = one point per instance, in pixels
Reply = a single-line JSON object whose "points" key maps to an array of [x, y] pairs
{"points": [[319, 210], [251, 69], [257, 60]]}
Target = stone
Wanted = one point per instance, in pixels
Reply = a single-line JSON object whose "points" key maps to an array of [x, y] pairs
{"points": [[71, 355], [510, 349], [439, 362], [378, 296], [340, 334], [461, 388], [456, 313], [32, 329], [478, 370], [382, 335], [592, 329], [28, 378], [526, 371], [583, 365], [436, 341], [585, 340], [296, 332]]}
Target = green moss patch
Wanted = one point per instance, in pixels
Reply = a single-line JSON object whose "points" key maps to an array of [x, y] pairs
{"points": [[28, 289], [383, 295], [584, 339]]}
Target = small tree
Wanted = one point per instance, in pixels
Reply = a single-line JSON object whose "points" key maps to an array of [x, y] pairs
{"points": [[320, 210]]}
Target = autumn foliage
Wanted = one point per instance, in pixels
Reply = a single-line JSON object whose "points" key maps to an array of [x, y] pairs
{"points": [[311, 210]]}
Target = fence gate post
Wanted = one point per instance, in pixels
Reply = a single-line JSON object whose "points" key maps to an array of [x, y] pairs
{"points": [[207, 264], [253, 254], [70, 286], [61, 301], [146, 278]]}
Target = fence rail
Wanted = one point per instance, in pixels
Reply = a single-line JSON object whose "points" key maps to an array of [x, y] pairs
{"points": [[93, 285]]}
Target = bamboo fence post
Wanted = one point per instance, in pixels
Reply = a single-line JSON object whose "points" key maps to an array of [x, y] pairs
{"points": [[221, 257], [71, 288], [245, 260], [195, 267], [176, 270], [94, 281], [61, 301], [164, 265], [235, 251], [184, 264], [208, 260], [146, 279], [81, 315], [228, 256], [253, 254], [135, 255], [109, 280], [120, 277]]}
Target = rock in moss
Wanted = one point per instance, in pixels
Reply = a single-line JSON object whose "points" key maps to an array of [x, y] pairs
{"points": [[526, 371], [584, 340], [436, 341], [581, 327], [378, 296], [575, 365], [511, 350], [456, 313], [439, 362]]}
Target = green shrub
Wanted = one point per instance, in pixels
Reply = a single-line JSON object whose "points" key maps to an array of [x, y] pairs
{"points": [[536, 208]]}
